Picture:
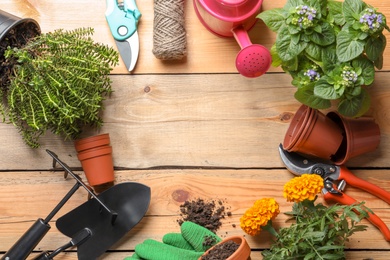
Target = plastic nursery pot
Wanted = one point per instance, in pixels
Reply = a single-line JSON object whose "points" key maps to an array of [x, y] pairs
{"points": [[361, 135], [92, 142], [98, 165], [24, 26], [311, 132], [243, 252]]}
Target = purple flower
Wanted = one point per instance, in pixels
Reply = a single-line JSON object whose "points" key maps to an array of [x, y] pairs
{"points": [[312, 74], [349, 76], [371, 21], [304, 16]]}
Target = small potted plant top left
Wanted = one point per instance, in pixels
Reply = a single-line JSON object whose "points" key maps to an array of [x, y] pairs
{"points": [[55, 81]]}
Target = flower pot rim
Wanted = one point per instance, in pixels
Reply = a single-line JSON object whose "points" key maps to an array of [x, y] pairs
{"points": [[349, 136], [295, 128], [91, 138], [94, 152], [16, 21], [92, 142], [242, 247]]}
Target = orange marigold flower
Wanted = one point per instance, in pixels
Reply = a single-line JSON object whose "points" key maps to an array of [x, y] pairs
{"points": [[258, 215], [307, 186]]}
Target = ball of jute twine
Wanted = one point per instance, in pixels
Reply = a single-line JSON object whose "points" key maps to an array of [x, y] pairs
{"points": [[169, 34]]}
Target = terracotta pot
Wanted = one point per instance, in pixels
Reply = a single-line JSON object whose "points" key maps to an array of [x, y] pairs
{"points": [[311, 132], [98, 165], [361, 135], [242, 253], [92, 142]]}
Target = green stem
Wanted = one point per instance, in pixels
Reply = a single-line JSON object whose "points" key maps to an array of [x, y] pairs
{"points": [[270, 228]]}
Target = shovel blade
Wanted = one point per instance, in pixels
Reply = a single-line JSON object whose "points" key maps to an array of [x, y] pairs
{"points": [[130, 200]]}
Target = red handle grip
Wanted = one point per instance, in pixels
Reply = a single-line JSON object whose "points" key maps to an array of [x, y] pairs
{"points": [[354, 181], [374, 219]]}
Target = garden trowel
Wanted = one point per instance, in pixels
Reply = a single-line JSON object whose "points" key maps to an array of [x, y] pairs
{"points": [[128, 200]]}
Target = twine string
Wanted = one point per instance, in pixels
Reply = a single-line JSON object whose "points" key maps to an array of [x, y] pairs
{"points": [[169, 34]]}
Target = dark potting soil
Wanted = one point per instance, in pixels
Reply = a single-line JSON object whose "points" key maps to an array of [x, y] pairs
{"points": [[17, 37], [207, 214], [208, 242], [222, 251]]}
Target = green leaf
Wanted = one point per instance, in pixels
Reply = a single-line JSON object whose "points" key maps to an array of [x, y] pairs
{"points": [[329, 58], [354, 106], [351, 214], [288, 46], [306, 96], [325, 90], [310, 256], [314, 51], [348, 46], [379, 63], [367, 68], [335, 8], [366, 102], [292, 4], [276, 61], [273, 18], [375, 46], [326, 37], [352, 10], [291, 66]]}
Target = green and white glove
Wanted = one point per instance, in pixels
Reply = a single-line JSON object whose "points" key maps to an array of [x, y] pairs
{"points": [[189, 244]]}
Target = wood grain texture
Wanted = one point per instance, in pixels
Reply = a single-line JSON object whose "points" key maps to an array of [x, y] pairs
{"points": [[26, 196], [255, 255], [188, 129], [202, 46], [184, 120]]}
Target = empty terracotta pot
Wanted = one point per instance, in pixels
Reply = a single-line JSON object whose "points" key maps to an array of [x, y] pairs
{"points": [[361, 135], [98, 165], [311, 132], [242, 253], [92, 142]]}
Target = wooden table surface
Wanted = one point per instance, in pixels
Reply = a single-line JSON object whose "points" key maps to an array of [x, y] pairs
{"points": [[193, 127]]}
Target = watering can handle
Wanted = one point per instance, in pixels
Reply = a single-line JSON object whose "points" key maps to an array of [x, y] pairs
{"points": [[241, 36]]}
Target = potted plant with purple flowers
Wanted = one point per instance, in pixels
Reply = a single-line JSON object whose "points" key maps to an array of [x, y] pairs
{"points": [[331, 49]]}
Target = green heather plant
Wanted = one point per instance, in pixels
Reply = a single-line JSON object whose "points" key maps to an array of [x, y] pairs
{"points": [[319, 232], [330, 49], [58, 82]]}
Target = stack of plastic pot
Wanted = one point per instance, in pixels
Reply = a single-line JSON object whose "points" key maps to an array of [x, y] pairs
{"points": [[332, 136], [95, 155]]}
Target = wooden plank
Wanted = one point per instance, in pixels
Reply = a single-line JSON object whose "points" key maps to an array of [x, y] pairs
{"points": [[183, 120], [255, 255], [202, 46], [27, 196]]}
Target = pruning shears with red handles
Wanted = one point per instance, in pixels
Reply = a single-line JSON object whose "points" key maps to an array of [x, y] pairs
{"points": [[335, 180]]}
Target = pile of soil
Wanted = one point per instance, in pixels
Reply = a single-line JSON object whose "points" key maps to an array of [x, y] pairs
{"points": [[207, 214], [222, 251]]}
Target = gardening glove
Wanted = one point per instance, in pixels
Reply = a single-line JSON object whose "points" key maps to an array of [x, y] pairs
{"points": [[176, 246]]}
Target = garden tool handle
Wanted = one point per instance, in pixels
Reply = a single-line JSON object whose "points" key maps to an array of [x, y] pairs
{"points": [[25, 245], [354, 181], [372, 217]]}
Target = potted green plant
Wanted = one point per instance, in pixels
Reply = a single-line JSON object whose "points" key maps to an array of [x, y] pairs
{"points": [[331, 49], [55, 81]]}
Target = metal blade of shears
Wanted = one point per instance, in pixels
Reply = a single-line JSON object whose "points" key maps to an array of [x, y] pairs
{"points": [[129, 50], [296, 163]]}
